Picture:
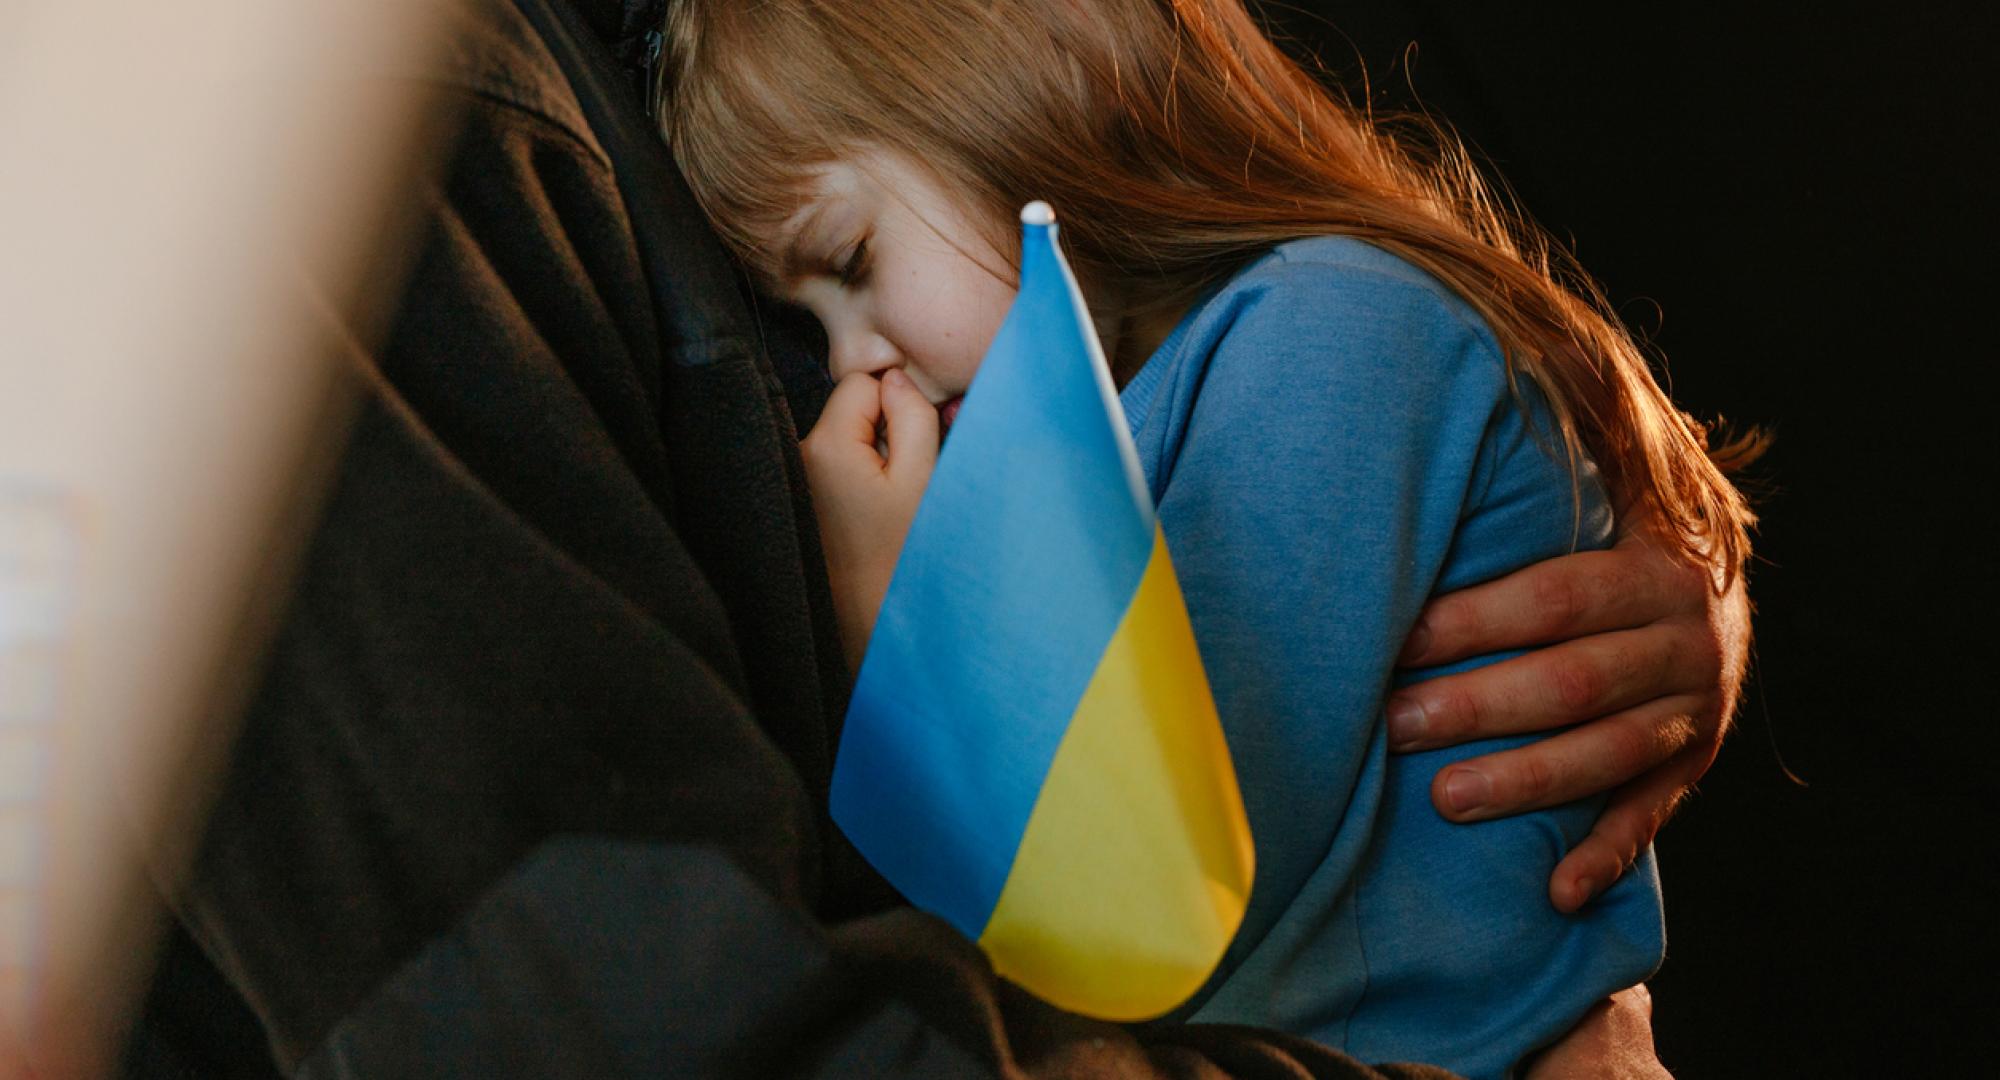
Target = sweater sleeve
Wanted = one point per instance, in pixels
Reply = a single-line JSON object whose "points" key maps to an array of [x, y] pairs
{"points": [[1315, 449], [1338, 442]]}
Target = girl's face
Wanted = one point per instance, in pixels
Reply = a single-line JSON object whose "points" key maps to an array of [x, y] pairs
{"points": [[898, 273]]}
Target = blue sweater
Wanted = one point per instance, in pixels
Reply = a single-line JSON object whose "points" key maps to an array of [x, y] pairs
{"points": [[1331, 440]]}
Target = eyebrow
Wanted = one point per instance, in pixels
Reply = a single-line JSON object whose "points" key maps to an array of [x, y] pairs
{"points": [[791, 265]]}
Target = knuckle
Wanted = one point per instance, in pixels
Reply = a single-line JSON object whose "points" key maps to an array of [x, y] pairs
{"points": [[1454, 714], [1644, 573], [1598, 855], [1677, 732], [1690, 578], [1452, 618], [1535, 778], [1657, 662], [1560, 600], [1618, 845], [1633, 747], [1659, 583], [1578, 686]]}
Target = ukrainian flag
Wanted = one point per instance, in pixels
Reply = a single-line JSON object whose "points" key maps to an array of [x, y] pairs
{"points": [[1032, 751]]}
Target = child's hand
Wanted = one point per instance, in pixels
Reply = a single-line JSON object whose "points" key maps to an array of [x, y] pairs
{"points": [[866, 497]]}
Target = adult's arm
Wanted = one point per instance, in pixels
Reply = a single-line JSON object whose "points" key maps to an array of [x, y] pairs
{"points": [[1643, 652]]}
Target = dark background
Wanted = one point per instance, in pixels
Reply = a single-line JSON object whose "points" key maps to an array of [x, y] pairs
{"points": [[1792, 203]]}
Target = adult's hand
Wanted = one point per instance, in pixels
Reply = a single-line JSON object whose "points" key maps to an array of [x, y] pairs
{"points": [[1613, 1040], [1645, 648]]}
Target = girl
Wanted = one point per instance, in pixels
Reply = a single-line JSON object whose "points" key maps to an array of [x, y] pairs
{"points": [[1353, 382]]}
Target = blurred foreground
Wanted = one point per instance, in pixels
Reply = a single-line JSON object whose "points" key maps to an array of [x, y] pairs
{"points": [[180, 184]]}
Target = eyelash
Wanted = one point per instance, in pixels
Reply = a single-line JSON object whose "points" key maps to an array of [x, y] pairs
{"points": [[856, 266]]}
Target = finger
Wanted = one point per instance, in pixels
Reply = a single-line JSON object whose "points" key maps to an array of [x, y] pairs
{"points": [[1629, 822], [913, 428], [850, 418], [1552, 687], [1583, 761], [854, 409], [1585, 593]]}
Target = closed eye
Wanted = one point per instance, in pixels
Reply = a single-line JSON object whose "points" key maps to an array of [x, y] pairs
{"points": [[855, 268]]}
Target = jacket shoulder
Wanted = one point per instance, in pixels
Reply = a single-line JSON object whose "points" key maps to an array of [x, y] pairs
{"points": [[490, 50]]}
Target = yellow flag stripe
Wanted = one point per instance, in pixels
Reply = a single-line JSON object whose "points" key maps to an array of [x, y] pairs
{"points": [[1136, 864]]}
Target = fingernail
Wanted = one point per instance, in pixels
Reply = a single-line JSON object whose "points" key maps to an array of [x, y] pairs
{"points": [[1418, 643], [1406, 723], [1467, 790], [896, 377]]}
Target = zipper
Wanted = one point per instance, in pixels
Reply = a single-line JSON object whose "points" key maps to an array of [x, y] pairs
{"points": [[650, 71]]}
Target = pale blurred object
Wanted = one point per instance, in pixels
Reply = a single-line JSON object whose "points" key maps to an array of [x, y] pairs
{"points": [[187, 190]]}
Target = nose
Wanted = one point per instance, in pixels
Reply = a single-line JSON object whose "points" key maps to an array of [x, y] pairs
{"points": [[859, 350]]}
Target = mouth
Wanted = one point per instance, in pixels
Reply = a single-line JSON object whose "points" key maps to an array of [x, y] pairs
{"points": [[948, 412]]}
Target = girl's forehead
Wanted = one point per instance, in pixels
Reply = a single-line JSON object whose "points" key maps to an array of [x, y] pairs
{"points": [[837, 178], [879, 177], [859, 180], [826, 186]]}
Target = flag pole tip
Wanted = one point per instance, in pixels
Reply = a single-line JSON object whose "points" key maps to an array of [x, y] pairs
{"points": [[1038, 213]]}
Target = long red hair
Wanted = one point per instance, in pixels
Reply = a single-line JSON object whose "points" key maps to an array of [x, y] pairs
{"points": [[1179, 143]]}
